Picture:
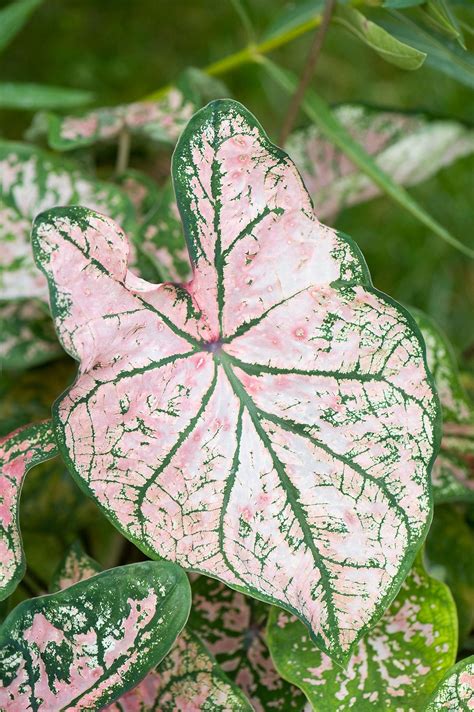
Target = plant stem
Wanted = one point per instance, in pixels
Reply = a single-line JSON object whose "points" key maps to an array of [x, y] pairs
{"points": [[123, 151], [308, 71]]}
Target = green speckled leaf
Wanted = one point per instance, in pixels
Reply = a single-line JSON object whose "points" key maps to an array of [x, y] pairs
{"points": [[27, 336], [409, 147], [450, 557], [455, 693], [76, 566], [395, 667], [453, 471], [232, 626], [83, 647], [273, 423]]}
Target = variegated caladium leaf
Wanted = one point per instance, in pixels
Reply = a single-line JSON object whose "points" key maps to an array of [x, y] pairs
{"points": [[453, 471], [455, 693], [76, 566], [83, 647], [187, 679], [161, 120], [271, 423], [19, 451], [141, 189], [409, 147], [232, 626], [32, 180], [396, 666], [27, 336]]}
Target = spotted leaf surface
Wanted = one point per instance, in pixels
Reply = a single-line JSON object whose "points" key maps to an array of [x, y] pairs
{"points": [[32, 180], [161, 121], [27, 336], [453, 471], [272, 422], [408, 147], [456, 692], [84, 646], [395, 667], [76, 566], [19, 451], [232, 626], [188, 679]]}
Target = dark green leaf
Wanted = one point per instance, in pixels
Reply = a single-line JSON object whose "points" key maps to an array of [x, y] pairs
{"points": [[13, 17], [41, 96]]}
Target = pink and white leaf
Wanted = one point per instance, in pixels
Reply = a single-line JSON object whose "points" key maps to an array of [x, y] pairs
{"points": [[271, 423], [456, 691]]}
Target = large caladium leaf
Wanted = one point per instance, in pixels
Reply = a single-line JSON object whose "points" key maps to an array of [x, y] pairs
{"points": [[83, 647], [232, 626], [19, 451], [161, 120], [449, 557], [271, 423], [27, 336], [409, 147], [453, 471], [455, 693], [187, 679], [396, 666], [33, 180]]}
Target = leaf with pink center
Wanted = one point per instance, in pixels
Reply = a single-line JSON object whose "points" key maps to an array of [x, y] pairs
{"points": [[456, 691], [83, 647], [453, 470], [187, 679], [271, 423], [409, 147], [233, 628], [396, 666], [19, 451]]}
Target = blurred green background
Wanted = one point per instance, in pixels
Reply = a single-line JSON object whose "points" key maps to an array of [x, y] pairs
{"points": [[124, 50]]}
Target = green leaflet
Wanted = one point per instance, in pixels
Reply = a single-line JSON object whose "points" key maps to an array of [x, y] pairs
{"points": [[319, 112], [396, 666], [449, 557], [232, 626], [32, 97], [453, 471], [408, 147], [188, 675], [13, 17], [388, 47], [83, 647], [456, 691]]}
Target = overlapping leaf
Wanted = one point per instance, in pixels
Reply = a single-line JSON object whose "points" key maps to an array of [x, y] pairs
{"points": [[19, 452], [396, 666], [456, 691], [409, 147], [271, 423], [27, 336], [83, 647], [187, 679], [232, 626], [453, 471]]}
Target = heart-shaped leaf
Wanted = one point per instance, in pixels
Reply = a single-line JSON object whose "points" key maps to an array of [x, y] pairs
{"points": [[232, 626], [396, 666], [31, 181], [187, 679], [453, 471], [409, 147], [19, 452], [456, 691], [271, 423], [83, 647], [27, 336]]}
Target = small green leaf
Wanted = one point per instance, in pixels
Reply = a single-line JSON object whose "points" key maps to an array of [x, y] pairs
{"points": [[13, 17], [443, 19], [83, 647], [456, 691], [401, 4], [388, 47], [295, 17], [32, 97], [233, 626], [402, 658], [319, 112]]}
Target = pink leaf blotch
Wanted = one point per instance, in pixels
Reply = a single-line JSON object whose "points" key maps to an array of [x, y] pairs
{"points": [[83, 647], [271, 423], [19, 451]]}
